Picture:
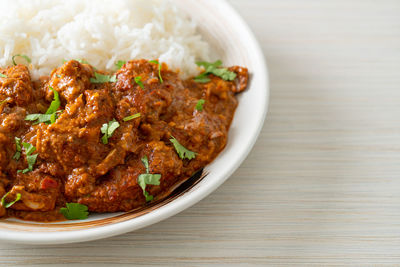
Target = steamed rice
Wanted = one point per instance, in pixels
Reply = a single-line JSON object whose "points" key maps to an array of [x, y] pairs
{"points": [[100, 32]]}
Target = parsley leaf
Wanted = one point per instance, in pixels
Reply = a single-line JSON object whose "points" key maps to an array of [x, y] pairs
{"points": [[138, 80], [23, 56], [120, 63], [75, 211], [17, 154], [3, 75], [199, 105], [31, 159], [51, 114], [148, 179], [101, 78], [159, 69], [182, 151], [7, 205], [108, 129], [214, 68], [134, 116]]}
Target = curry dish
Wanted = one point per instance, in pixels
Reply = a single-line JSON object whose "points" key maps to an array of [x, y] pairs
{"points": [[112, 143]]}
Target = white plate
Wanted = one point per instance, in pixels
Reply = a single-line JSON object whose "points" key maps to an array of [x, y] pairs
{"points": [[233, 41]]}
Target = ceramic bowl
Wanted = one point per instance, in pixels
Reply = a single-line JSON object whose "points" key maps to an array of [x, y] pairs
{"points": [[235, 44]]}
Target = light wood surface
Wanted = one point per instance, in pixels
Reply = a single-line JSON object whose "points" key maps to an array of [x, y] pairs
{"points": [[322, 185]]}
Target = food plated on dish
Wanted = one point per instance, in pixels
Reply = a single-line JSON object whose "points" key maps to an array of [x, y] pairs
{"points": [[116, 116], [82, 140]]}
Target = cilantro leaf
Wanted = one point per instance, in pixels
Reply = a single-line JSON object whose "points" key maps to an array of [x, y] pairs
{"points": [[3, 75], [75, 211], [82, 61], [199, 105], [55, 104], [120, 63], [23, 56], [159, 69], [202, 78], [134, 116], [31, 159], [29, 149], [138, 80], [148, 179], [7, 205], [182, 151], [101, 78], [4, 101], [214, 68], [17, 154], [108, 129], [51, 114], [208, 66]]}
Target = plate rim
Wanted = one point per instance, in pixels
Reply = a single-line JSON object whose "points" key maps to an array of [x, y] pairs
{"points": [[183, 202]]}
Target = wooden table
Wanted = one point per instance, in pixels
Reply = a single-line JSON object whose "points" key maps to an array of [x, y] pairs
{"points": [[322, 185]]}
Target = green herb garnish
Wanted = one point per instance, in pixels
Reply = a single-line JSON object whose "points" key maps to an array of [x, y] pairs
{"points": [[51, 114], [148, 179], [75, 211], [134, 116], [3, 75], [202, 78], [7, 205], [17, 154], [82, 61], [101, 78], [23, 56], [199, 105], [182, 151], [214, 68], [138, 80], [159, 69], [31, 159], [120, 63], [108, 129], [4, 101]]}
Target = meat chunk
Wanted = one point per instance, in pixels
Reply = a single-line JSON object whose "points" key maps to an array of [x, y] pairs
{"points": [[17, 85], [70, 80]]}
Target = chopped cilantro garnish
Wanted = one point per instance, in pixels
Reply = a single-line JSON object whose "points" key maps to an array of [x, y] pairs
{"points": [[214, 68], [31, 159], [4, 101], [148, 179], [51, 114], [202, 78], [18, 150], [7, 205], [55, 104], [108, 129], [182, 151], [134, 116], [82, 61], [101, 78], [75, 211], [120, 63], [138, 80], [23, 56], [199, 105], [3, 75], [159, 69]]}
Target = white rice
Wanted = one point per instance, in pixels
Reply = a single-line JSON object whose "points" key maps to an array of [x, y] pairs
{"points": [[100, 32]]}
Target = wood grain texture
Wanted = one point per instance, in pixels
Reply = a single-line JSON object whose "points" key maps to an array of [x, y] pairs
{"points": [[322, 186]]}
